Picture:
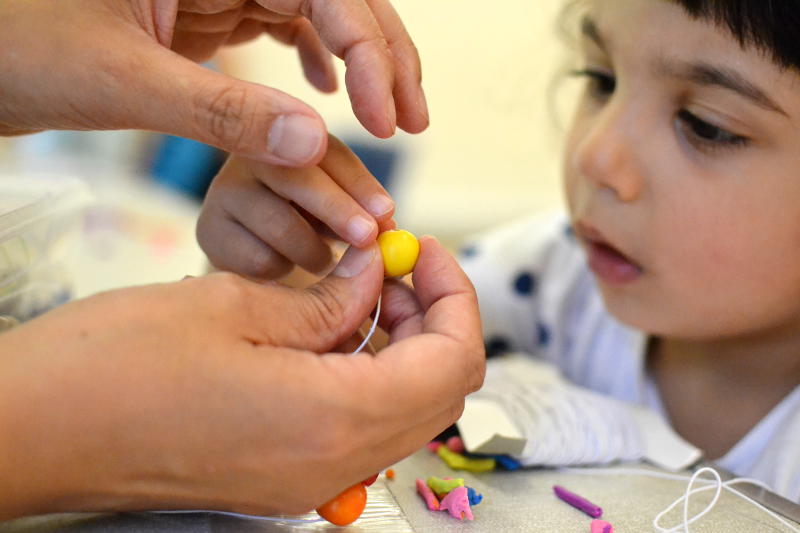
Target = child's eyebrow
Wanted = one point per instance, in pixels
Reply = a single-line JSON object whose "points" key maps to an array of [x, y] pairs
{"points": [[702, 73], [589, 30]]}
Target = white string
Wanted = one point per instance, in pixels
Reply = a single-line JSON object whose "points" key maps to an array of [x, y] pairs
{"points": [[372, 328], [248, 516], [716, 483]]}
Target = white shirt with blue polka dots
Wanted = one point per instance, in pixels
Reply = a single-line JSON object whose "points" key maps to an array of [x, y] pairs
{"points": [[537, 295]]}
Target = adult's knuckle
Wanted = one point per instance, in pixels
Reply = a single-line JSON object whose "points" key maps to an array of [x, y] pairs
{"points": [[224, 115], [266, 264], [324, 309], [330, 204], [229, 289]]}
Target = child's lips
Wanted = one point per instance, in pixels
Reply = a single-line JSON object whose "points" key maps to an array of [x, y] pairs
{"points": [[607, 262]]}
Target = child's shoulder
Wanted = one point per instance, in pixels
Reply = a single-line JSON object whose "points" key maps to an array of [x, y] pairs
{"points": [[524, 252], [529, 258]]}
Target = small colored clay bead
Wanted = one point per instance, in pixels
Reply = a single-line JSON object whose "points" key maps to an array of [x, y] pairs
{"points": [[345, 508], [400, 250], [370, 480], [434, 445], [390, 474], [455, 444]]}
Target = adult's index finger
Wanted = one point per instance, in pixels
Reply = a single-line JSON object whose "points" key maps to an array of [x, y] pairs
{"points": [[350, 30]]}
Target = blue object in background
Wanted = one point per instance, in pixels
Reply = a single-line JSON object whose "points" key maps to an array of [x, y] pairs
{"points": [[507, 463], [186, 165], [381, 160], [189, 166]]}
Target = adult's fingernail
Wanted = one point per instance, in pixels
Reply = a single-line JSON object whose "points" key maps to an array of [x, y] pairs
{"points": [[380, 204], [354, 261], [295, 138], [322, 272], [359, 228]]}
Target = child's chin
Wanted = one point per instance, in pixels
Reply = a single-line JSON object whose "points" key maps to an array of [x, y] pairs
{"points": [[641, 315]]}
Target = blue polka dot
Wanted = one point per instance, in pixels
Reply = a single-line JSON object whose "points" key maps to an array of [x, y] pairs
{"points": [[469, 250], [497, 346], [542, 334], [525, 284], [568, 231]]}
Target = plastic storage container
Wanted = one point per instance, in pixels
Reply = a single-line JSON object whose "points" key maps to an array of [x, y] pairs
{"points": [[38, 219]]}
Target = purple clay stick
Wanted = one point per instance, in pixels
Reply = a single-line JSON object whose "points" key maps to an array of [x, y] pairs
{"points": [[582, 504]]}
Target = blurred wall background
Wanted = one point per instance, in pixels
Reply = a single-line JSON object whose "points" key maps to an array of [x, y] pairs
{"points": [[492, 151]]}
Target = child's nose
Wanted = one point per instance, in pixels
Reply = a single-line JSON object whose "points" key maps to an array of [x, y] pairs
{"points": [[606, 154]]}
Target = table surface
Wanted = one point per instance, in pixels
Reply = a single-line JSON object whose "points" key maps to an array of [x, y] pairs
{"points": [[521, 501]]}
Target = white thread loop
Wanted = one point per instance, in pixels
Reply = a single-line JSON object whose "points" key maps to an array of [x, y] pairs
{"points": [[716, 483], [685, 499], [247, 516]]}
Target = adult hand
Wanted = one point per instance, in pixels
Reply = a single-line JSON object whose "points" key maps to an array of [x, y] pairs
{"points": [[111, 64], [260, 220], [211, 392]]}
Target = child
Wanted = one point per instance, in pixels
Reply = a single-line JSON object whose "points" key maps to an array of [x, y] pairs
{"points": [[676, 283]]}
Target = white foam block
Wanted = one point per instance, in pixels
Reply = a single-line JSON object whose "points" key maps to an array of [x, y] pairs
{"points": [[485, 427]]}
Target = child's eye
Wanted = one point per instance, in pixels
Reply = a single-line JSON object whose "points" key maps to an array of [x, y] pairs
{"points": [[708, 134], [601, 84]]}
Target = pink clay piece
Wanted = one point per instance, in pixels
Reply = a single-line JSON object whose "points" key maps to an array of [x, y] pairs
{"points": [[455, 444], [457, 504], [427, 495], [433, 445]]}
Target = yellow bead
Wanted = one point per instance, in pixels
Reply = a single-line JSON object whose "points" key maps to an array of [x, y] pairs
{"points": [[400, 250]]}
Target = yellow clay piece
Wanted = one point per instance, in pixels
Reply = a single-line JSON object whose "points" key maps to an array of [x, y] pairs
{"points": [[400, 250], [456, 461]]}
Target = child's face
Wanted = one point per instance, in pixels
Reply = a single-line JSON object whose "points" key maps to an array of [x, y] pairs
{"points": [[684, 156]]}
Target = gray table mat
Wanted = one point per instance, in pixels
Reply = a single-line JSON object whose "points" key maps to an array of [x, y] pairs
{"points": [[520, 501]]}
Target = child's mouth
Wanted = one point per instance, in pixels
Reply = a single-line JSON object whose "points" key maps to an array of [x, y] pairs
{"points": [[608, 264]]}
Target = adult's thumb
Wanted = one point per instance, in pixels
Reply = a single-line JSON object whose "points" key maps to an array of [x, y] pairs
{"points": [[174, 95], [326, 314]]}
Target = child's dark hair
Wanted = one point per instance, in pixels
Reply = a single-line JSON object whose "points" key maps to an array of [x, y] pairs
{"points": [[769, 25]]}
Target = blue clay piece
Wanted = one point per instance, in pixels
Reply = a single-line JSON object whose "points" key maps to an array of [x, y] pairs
{"points": [[507, 463], [474, 497]]}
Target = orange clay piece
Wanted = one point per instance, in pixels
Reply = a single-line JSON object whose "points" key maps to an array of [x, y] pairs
{"points": [[346, 507], [390, 474]]}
